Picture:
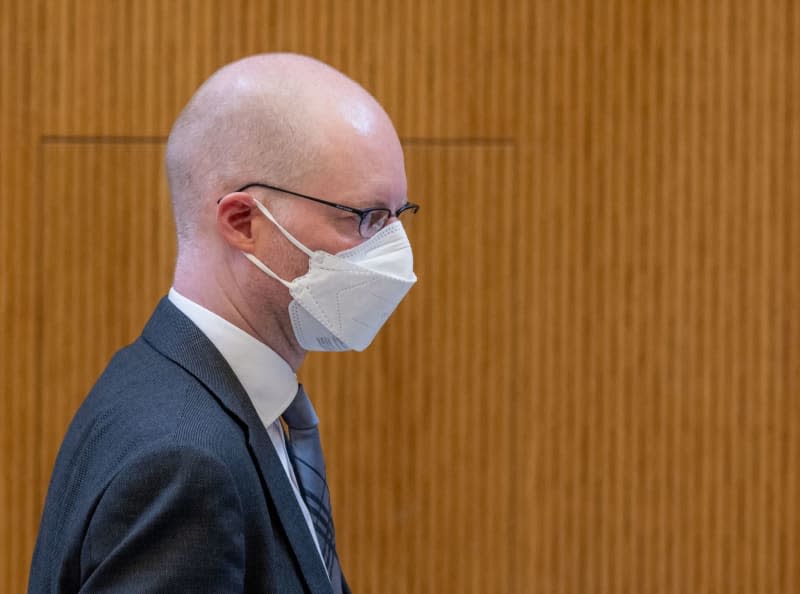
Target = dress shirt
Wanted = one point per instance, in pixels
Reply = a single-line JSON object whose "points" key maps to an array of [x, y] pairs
{"points": [[268, 380]]}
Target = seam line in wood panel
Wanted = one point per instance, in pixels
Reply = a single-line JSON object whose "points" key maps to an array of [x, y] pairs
{"points": [[493, 141], [488, 141], [38, 333], [514, 503], [80, 139]]}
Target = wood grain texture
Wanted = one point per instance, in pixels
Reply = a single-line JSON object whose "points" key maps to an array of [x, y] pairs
{"points": [[18, 252], [112, 225], [593, 387], [662, 290]]}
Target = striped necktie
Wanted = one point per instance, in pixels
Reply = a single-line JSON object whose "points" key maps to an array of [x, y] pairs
{"points": [[305, 452]]}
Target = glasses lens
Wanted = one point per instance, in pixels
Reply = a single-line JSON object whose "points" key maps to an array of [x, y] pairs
{"points": [[373, 222]]}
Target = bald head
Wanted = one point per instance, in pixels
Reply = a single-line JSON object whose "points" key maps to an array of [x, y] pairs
{"points": [[276, 118]]}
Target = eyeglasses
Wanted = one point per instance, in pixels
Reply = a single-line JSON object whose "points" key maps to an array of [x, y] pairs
{"points": [[371, 220]]}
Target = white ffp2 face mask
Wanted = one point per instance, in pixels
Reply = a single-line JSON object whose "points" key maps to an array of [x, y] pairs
{"points": [[345, 298]]}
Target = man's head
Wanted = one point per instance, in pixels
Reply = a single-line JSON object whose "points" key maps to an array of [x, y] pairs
{"points": [[288, 121]]}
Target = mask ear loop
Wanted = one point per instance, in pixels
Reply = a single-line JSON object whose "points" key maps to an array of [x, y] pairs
{"points": [[265, 270], [263, 267], [286, 234]]}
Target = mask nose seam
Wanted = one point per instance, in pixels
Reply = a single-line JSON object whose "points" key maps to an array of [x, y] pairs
{"points": [[360, 249]]}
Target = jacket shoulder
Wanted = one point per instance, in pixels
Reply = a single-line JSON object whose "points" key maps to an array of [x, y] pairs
{"points": [[143, 408]]}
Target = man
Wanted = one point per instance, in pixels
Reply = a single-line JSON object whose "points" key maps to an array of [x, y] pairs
{"points": [[177, 474]]}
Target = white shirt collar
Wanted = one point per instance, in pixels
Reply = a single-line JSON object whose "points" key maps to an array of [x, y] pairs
{"points": [[265, 376]]}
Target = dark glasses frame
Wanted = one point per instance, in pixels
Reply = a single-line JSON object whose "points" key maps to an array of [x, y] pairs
{"points": [[371, 220]]}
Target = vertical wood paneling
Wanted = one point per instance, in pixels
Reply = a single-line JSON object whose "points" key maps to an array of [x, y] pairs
{"points": [[112, 258], [141, 60], [19, 253], [593, 387], [659, 331]]}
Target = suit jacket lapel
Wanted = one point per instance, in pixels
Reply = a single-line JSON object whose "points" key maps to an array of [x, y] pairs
{"points": [[177, 338]]}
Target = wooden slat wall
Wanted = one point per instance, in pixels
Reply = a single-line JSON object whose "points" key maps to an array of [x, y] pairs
{"points": [[594, 386], [112, 225], [661, 285], [19, 382]]}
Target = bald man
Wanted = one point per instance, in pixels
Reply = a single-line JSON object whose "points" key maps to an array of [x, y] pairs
{"points": [[194, 464]]}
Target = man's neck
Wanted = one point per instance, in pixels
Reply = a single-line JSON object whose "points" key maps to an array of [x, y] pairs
{"points": [[272, 328]]}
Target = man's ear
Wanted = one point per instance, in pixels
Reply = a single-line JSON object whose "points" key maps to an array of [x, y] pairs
{"points": [[235, 213]]}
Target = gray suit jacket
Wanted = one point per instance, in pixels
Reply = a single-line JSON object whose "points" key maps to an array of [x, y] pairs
{"points": [[168, 482]]}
